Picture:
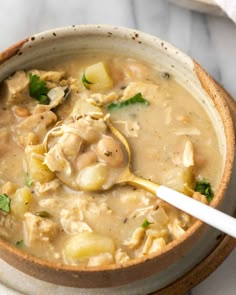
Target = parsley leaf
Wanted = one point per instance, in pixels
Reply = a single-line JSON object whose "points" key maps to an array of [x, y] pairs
{"points": [[85, 81], [204, 187], [138, 98], [28, 180], [38, 89], [146, 224], [5, 203]]}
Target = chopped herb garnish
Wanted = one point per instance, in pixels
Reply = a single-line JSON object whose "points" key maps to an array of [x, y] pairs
{"points": [[38, 89], [146, 224], [204, 187], [28, 180], [19, 244], [138, 98], [43, 214], [108, 153], [5, 203], [85, 81]]}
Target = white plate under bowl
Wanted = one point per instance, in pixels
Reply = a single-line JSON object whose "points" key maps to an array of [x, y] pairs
{"points": [[206, 6]]}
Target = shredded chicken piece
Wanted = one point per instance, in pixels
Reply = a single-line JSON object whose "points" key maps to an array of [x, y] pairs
{"points": [[38, 229], [158, 216], [199, 197], [136, 238], [53, 76], [51, 203], [56, 161], [16, 89], [188, 155], [149, 91], [121, 256], [141, 211], [175, 229], [157, 245], [46, 187], [147, 245], [157, 233], [95, 209], [101, 259], [8, 225], [86, 107], [71, 221], [102, 99], [36, 123]]}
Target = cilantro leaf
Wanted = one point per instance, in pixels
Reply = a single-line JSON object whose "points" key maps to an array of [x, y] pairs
{"points": [[38, 89], [138, 98], [28, 180], [85, 81], [5, 203], [146, 224], [204, 187]]}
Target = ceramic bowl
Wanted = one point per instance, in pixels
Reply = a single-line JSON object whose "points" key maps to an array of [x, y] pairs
{"points": [[165, 57]]}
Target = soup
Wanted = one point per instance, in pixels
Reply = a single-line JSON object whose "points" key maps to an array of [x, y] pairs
{"points": [[59, 161]]}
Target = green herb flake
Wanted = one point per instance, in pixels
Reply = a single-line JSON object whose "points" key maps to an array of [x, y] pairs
{"points": [[5, 203], [204, 187], [28, 180], [85, 81], [38, 89], [19, 243], [43, 214], [138, 98], [146, 224]]}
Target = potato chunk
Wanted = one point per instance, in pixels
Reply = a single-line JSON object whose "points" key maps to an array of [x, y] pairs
{"points": [[36, 169], [88, 244], [93, 177], [21, 202], [98, 75]]}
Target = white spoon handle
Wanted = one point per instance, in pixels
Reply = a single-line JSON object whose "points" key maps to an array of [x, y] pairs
{"points": [[209, 215]]}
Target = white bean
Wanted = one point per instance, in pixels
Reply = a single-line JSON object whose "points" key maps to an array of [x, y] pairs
{"points": [[109, 150], [86, 159]]}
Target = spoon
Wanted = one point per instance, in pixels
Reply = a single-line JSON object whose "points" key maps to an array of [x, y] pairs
{"points": [[205, 213]]}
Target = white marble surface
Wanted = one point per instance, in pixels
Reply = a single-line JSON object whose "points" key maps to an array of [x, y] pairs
{"points": [[210, 40]]}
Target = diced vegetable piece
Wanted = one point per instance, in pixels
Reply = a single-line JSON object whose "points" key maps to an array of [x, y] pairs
{"points": [[21, 202], [93, 177], [97, 75], [88, 244], [36, 169]]}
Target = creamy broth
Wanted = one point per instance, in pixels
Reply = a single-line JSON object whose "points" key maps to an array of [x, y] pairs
{"points": [[57, 158]]}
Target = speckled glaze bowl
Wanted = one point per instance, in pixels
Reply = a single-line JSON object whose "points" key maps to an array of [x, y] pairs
{"points": [[180, 256]]}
